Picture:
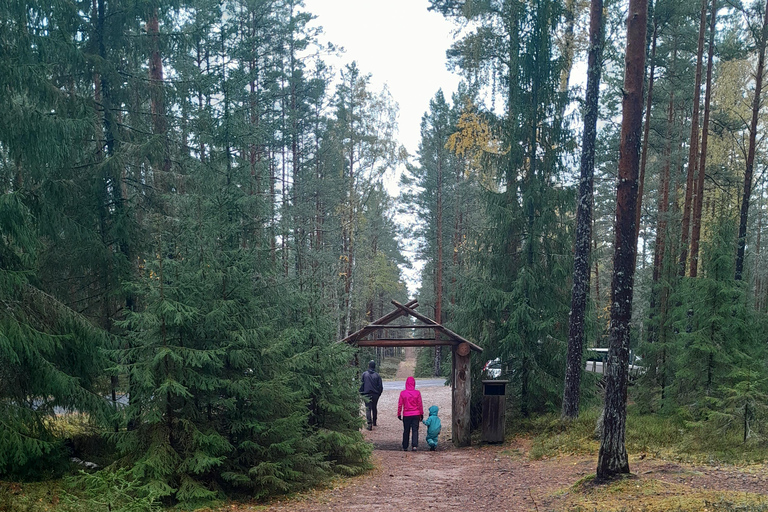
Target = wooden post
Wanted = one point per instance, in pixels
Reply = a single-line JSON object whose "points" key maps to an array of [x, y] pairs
{"points": [[461, 395]]}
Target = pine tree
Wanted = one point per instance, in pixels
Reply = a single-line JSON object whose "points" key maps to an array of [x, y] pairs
{"points": [[523, 228], [581, 272], [612, 459]]}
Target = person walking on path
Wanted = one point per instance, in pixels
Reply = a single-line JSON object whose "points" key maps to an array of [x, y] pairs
{"points": [[433, 427], [411, 411], [371, 389]]}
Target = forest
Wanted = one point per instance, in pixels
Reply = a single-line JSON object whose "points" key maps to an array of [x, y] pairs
{"points": [[194, 210]]}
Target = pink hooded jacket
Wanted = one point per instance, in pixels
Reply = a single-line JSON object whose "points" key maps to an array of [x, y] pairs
{"points": [[410, 400]]}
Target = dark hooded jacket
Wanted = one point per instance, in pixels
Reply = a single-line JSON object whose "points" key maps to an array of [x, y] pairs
{"points": [[371, 384]]}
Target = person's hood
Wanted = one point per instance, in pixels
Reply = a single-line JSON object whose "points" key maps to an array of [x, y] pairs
{"points": [[371, 365], [410, 383], [433, 410]]}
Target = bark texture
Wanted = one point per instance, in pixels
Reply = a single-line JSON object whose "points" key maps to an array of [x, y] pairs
{"points": [[612, 459], [461, 400], [699, 201], [646, 130], [744, 214], [693, 149], [581, 268]]}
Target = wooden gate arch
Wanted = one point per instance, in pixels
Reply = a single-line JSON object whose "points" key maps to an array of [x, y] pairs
{"points": [[428, 333]]}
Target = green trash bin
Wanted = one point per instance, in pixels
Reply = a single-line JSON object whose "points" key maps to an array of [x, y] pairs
{"points": [[494, 410]]}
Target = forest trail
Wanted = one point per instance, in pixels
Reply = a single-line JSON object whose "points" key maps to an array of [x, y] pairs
{"points": [[476, 478], [490, 477], [408, 365]]}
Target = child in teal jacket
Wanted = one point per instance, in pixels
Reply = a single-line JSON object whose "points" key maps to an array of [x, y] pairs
{"points": [[433, 427]]}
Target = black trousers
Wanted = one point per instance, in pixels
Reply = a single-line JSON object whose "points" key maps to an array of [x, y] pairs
{"points": [[371, 408], [411, 429]]}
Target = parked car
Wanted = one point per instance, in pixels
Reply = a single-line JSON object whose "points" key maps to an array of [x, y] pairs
{"points": [[492, 368]]}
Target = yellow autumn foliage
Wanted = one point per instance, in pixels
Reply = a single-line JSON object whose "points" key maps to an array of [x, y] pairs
{"points": [[472, 140]]}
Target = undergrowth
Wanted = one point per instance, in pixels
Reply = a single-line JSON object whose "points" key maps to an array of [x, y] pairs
{"points": [[670, 437], [632, 494]]}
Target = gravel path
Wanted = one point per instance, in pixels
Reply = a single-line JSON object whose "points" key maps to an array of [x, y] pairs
{"points": [[489, 477]]}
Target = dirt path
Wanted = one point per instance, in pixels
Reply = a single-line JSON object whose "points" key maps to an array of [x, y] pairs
{"points": [[496, 477], [408, 365]]}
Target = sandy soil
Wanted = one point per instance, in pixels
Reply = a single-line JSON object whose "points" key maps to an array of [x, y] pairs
{"points": [[487, 477], [408, 365]]}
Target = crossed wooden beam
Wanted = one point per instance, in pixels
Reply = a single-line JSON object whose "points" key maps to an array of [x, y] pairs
{"points": [[443, 336]]}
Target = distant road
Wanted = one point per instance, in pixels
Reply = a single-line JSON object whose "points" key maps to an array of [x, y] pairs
{"points": [[420, 383]]}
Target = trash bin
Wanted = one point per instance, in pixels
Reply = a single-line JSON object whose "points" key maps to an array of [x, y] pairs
{"points": [[494, 407]]}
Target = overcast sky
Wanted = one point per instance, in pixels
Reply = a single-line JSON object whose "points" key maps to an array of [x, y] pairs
{"points": [[399, 43], [402, 45]]}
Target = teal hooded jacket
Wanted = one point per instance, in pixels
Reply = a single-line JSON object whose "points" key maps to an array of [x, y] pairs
{"points": [[433, 423]]}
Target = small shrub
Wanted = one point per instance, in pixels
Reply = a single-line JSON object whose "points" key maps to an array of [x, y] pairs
{"points": [[110, 489]]}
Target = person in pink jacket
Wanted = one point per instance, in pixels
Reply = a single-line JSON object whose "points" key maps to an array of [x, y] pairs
{"points": [[411, 411]]}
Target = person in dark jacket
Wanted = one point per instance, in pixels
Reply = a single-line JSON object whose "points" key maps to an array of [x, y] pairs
{"points": [[371, 389]]}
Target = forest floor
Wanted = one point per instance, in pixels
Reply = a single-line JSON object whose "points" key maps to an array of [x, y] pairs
{"points": [[503, 477]]}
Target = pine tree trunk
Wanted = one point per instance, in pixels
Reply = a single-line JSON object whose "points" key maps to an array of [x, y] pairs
{"points": [[567, 47], [693, 151], [272, 216], [662, 206], [439, 269], [658, 304], [581, 268], [598, 302], [756, 103], [157, 96], [612, 459], [758, 277], [699, 202], [646, 132]]}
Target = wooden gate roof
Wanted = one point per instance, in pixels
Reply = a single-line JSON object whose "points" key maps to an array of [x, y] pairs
{"points": [[440, 335]]}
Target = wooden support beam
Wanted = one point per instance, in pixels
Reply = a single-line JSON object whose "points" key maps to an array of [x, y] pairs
{"points": [[400, 326], [461, 396], [407, 342], [407, 310], [383, 320]]}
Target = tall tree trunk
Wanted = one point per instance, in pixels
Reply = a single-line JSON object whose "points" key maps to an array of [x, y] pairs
{"points": [[439, 269], [662, 206], [598, 301], [756, 103], [581, 269], [350, 241], [272, 201], [646, 130], [613, 459], [699, 202], [567, 46], [758, 277], [693, 151]]}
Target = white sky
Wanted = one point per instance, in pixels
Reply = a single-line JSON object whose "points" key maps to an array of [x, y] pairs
{"points": [[401, 44]]}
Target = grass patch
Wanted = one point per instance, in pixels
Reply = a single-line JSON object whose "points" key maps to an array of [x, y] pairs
{"points": [[553, 437], [668, 437], [31, 497], [632, 494]]}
